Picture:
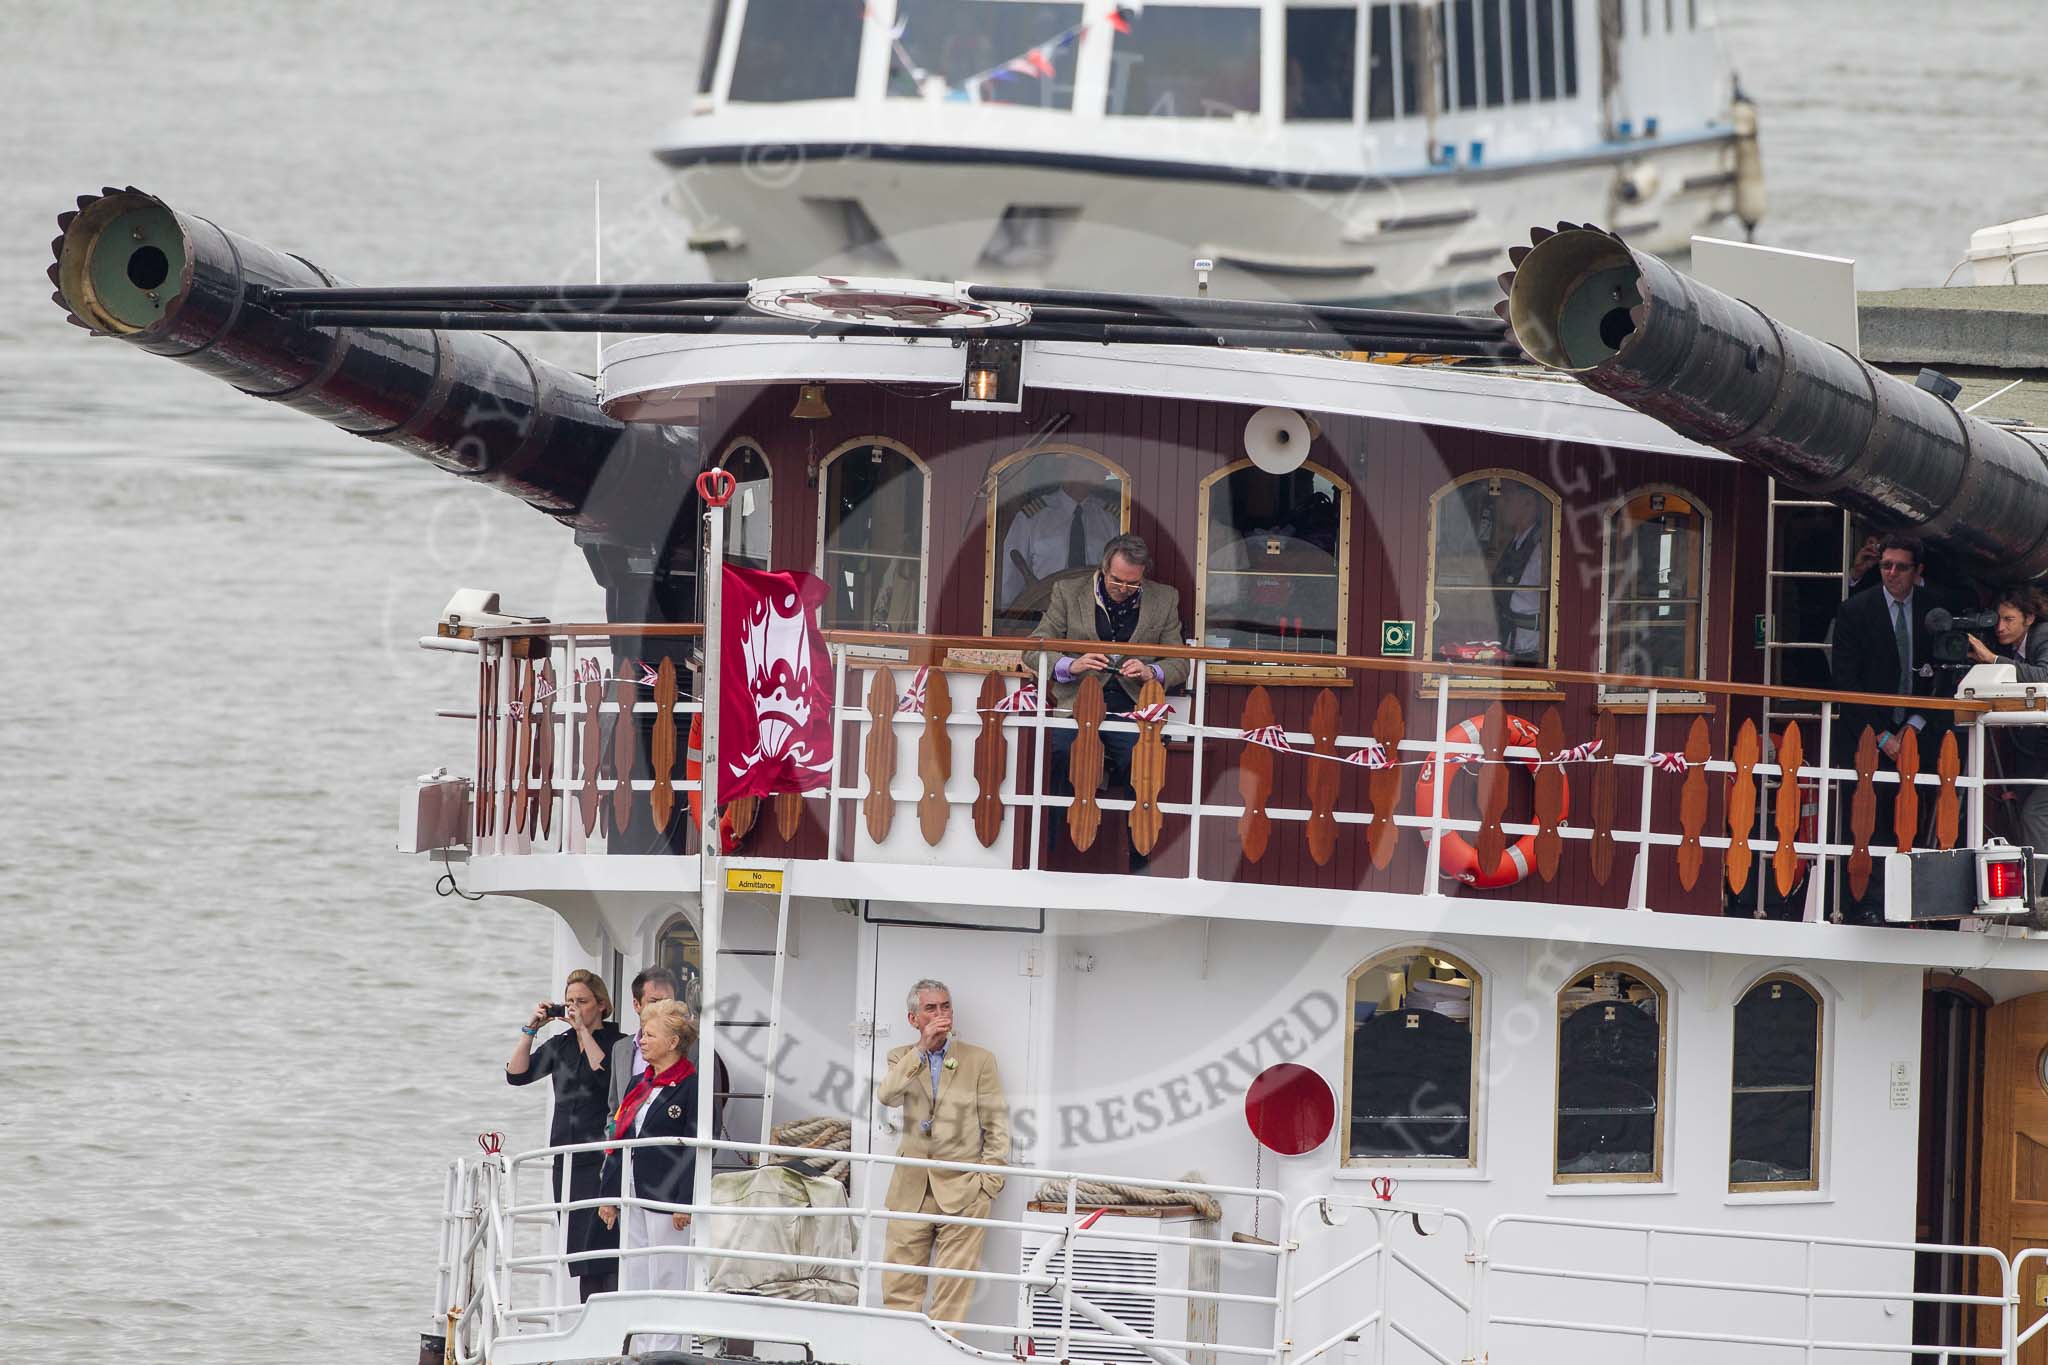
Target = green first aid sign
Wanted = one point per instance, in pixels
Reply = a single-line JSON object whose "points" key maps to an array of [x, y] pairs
{"points": [[1397, 639]]}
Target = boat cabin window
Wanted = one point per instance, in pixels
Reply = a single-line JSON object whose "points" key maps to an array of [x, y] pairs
{"points": [[1518, 49], [1490, 47], [1465, 51], [1610, 1077], [1379, 70], [1493, 571], [1546, 49], [678, 948], [1655, 603], [871, 536], [1774, 1119], [1273, 550], [797, 50], [1186, 61], [1414, 58], [714, 36], [1568, 44], [1322, 46], [748, 516], [979, 51], [1411, 1060], [1051, 512]]}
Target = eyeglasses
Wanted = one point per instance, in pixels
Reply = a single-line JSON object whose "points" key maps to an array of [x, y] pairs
{"points": [[1121, 585], [1896, 566]]}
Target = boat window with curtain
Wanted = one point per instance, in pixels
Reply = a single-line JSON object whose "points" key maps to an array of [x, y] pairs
{"points": [[1186, 61], [1411, 1060], [797, 50], [1774, 1111], [1493, 571], [1379, 75], [1273, 552], [714, 43], [953, 41], [872, 536], [1322, 45], [1610, 1077], [1490, 21], [1051, 512], [1654, 606], [749, 515]]}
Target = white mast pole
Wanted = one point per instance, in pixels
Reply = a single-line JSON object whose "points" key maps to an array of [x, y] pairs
{"points": [[710, 857]]}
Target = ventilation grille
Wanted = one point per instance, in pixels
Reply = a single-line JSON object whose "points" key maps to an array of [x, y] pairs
{"points": [[1137, 1309]]}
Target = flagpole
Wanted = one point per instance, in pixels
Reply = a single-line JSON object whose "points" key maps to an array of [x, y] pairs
{"points": [[715, 486]]}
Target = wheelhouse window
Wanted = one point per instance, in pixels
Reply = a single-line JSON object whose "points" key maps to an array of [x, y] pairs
{"points": [[1518, 49], [1493, 571], [1490, 46], [714, 41], [872, 536], [1274, 550], [1414, 61], [1465, 44], [1568, 43], [1051, 513], [1413, 1043], [966, 45], [1610, 1077], [1379, 75], [1186, 61], [1655, 603], [797, 50], [1322, 46], [749, 524], [1774, 1119]]}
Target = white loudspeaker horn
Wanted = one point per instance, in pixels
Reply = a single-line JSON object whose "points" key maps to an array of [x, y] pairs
{"points": [[1277, 440]]}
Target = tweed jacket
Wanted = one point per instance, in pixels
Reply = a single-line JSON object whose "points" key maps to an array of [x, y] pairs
{"points": [[1070, 615], [970, 1122]]}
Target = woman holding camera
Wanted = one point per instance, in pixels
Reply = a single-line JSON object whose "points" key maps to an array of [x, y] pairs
{"points": [[2022, 636], [575, 1061], [662, 1103]]}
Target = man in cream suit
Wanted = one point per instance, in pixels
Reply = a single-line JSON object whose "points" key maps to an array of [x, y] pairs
{"points": [[953, 1110]]}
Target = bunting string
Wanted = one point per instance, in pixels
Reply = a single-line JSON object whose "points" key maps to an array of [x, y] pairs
{"points": [[1034, 61]]}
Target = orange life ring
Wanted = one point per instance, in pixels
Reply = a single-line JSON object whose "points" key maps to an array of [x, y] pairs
{"points": [[1456, 855], [693, 771]]}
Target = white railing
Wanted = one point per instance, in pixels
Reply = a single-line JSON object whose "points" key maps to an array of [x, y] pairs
{"points": [[1386, 1316]]}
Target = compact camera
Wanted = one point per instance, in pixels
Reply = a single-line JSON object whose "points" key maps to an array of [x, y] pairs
{"points": [[556, 1011]]}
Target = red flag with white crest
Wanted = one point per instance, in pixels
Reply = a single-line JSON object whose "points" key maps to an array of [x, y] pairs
{"points": [[775, 686]]}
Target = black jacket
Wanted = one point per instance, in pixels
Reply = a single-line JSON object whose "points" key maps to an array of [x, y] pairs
{"points": [[2030, 663], [663, 1174], [579, 1086], [1866, 659]]}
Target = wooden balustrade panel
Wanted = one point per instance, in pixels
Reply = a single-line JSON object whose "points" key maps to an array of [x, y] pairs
{"points": [[1383, 787], [1605, 793], [1862, 814], [1255, 779], [481, 800], [544, 756], [1785, 862], [1551, 801], [625, 748], [1322, 779], [789, 814], [935, 758], [1742, 805], [593, 752], [663, 745], [1493, 786], [1148, 773], [522, 747], [1947, 807], [1692, 804], [880, 757], [741, 815], [991, 761], [1906, 808], [1084, 763]]}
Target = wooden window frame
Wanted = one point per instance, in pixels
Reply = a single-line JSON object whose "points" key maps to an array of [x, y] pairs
{"points": [[1274, 672], [1475, 1095], [1609, 515], [1820, 1033], [994, 499], [924, 542], [1507, 683], [1655, 1175]]}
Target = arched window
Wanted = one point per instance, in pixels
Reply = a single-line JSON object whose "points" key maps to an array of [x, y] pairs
{"points": [[1493, 541], [1274, 552], [749, 517], [1653, 611], [1411, 1060], [1610, 1076], [1774, 1118], [678, 948], [1051, 510], [872, 506]]}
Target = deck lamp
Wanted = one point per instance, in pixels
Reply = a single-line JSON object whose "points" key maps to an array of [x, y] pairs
{"points": [[1938, 884], [994, 378]]}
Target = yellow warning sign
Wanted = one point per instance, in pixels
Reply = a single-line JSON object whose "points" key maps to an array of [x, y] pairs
{"points": [[754, 879]]}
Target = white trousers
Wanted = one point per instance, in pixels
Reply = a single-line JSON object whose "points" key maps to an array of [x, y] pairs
{"points": [[660, 1270]]}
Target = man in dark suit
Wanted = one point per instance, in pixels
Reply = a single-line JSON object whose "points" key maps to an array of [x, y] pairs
{"points": [[1882, 644]]}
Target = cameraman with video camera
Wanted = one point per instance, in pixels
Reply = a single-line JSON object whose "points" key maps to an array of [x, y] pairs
{"points": [[2022, 640]]}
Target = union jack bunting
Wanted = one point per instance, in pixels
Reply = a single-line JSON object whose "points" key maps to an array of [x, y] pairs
{"points": [[589, 670], [1024, 698], [1578, 753], [1672, 762], [912, 702], [543, 688], [1268, 736], [1158, 713], [516, 710], [648, 677], [1373, 755]]}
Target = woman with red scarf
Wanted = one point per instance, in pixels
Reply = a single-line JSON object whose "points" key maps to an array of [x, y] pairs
{"points": [[662, 1103]]}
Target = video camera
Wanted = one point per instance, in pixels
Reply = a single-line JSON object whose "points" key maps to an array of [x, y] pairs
{"points": [[1951, 630]]}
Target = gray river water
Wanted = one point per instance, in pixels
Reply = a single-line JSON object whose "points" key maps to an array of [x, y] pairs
{"points": [[248, 1037]]}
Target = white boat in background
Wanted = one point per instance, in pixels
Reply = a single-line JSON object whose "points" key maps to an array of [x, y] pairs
{"points": [[1315, 151]]}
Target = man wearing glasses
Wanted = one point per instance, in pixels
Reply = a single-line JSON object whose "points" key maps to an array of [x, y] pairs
{"points": [[1117, 606]]}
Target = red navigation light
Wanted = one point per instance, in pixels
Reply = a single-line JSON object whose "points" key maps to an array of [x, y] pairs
{"points": [[1290, 1109], [2005, 879]]}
